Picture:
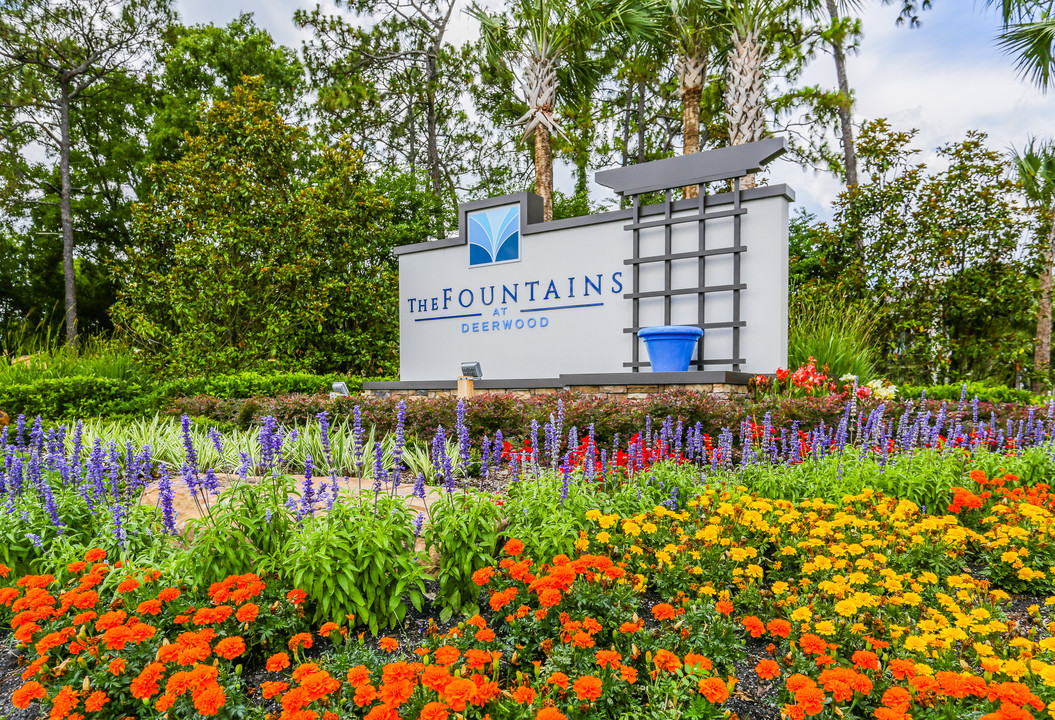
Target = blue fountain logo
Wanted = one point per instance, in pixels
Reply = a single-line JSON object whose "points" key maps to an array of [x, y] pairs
{"points": [[494, 235]]}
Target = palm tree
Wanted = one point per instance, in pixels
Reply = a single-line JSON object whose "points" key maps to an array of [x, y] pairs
{"points": [[1036, 173], [695, 26], [535, 36], [752, 26], [1029, 33]]}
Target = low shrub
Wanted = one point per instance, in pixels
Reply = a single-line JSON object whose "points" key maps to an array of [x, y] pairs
{"points": [[76, 396], [254, 384], [984, 392]]}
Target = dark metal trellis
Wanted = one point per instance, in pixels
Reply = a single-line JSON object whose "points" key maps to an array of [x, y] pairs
{"points": [[727, 164]]}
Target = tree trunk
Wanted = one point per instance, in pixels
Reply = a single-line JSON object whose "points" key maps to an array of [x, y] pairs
{"points": [[690, 130], [1042, 350], [435, 171], [66, 213], [845, 105], [640, 121], [745, 93], [544, 170]]}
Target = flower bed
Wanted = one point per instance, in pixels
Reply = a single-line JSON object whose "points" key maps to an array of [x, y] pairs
{"points": [[672, 575]]}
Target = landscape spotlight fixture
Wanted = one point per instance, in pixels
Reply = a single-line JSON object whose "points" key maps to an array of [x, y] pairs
{"points": [[472, 370], [340, 389]]}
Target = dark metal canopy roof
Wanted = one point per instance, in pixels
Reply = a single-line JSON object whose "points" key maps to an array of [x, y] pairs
{"points": [[693, 169]]}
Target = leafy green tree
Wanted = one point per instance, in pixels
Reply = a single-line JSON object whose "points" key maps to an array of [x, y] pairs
{"points": [[944, 267], [259, 246], [53, 54], [204, 64], [1036, 174]]}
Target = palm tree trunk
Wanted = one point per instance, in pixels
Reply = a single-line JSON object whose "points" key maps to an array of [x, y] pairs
{"points": [[691, 72], [1042, 350], [66, 214], [745, 93], [845, 105], [544, 170]]}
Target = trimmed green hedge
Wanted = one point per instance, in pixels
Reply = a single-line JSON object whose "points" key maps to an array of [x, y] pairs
{"points": [[982, 391], [254, 384], [88, 396], [77, 396]]}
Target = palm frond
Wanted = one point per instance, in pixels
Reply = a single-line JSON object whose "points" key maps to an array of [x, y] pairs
{"points": [[1034, 44]]}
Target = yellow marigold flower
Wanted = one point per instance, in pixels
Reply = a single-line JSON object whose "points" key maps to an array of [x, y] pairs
{"points": [[631, 528], [603, 537], [801, 614], [779, 588], [846, 608], [1014, 669], [824, 627], [593, 514], [983, 649], [649, 528]]}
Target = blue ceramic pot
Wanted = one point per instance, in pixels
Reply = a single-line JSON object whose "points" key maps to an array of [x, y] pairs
{"points": [[670, 347]]}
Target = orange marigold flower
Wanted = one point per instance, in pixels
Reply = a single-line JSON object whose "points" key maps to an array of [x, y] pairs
{"points": [[210, 699], [358, 675], [483, 576], [485, 635], [714, 690], [724, 607], [797, 682], [810, 699], [476, 659], [812, 645], [388, 644], [277, 662], [549, 597], [270, 688], [247, 613], [459, 693], [583, 640], [778, 627], [666, 660], [146, 683], [767, 669], [446, 655], [629, 627], [513, 547], [230, 648], [663, 611], [693, 660], [26, 694], [94, 555], [550, 713], [73, 567], [524, 695], [753, 625], [433, 711], [588, 687], [608, 658], [168, 594], [95, 701], [296, 596], [628, 674], [328, 628], [902, 668], [149, 607], [128, 585], [865, 660], [559, 679], [365, 694], [116, 667], [300, 640], [897, 698]]}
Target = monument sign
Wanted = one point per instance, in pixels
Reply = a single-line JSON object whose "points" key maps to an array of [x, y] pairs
{"points": [[533, 299]]}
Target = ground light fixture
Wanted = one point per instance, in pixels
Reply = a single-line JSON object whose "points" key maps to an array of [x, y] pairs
{"points": [[340, 389], [470, 372]]}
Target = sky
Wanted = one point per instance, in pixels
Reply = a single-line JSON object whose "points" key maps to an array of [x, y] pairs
{"points": [[943, 78]]}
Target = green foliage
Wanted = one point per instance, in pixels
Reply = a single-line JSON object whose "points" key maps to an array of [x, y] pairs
{"points": [[204, 64], [74, 397], [359, 560], [835, 333], [464, 530], [255, 384], [263, 212], [983, 391], [949, 283]]}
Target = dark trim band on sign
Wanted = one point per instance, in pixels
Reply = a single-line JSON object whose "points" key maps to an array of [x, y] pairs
{"points": [[562, 307], [447, 317]]}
